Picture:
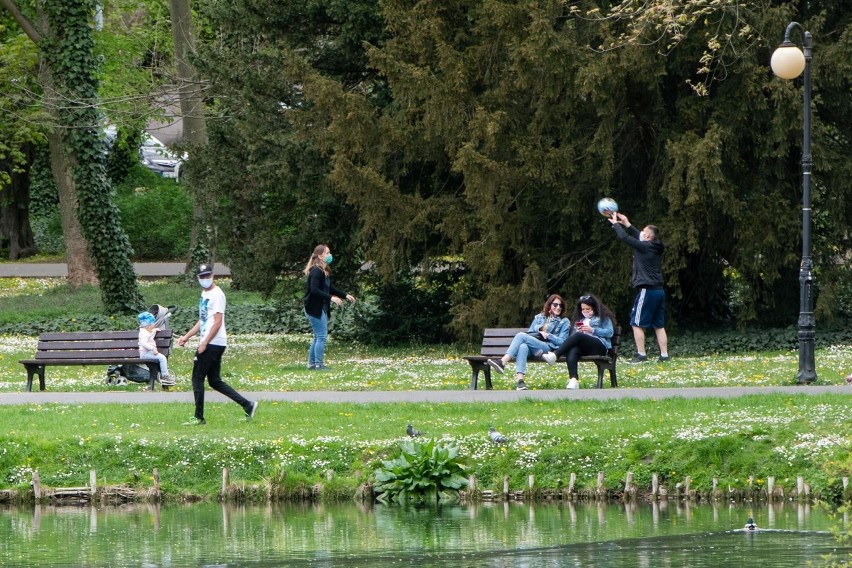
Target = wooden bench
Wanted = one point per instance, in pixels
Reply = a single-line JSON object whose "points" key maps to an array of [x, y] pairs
{"points": [[496, 340], [93, 348]]}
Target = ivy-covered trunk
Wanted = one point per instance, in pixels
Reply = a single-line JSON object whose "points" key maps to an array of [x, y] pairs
{"points": [[77, 154], [80, 268]]}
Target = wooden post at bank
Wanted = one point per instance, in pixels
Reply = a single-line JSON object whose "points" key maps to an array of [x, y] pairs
{"points": [[506, 486], [629, 487], [770, 488], [93, 482], [36, 485], [655, 486], [225, 480]]}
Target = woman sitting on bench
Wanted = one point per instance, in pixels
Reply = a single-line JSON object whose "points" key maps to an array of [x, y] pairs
{"points": [[592, 327], [547, 332]]}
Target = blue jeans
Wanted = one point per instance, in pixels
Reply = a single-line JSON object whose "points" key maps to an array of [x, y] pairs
{"points": [[164, 363], [316, 353], [522, 345]]}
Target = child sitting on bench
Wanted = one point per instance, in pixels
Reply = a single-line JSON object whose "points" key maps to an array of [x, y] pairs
{"points": [[148, 345]]}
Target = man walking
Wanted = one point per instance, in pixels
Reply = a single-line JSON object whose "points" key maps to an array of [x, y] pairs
{"points": [[649, 307], [207, 362]]}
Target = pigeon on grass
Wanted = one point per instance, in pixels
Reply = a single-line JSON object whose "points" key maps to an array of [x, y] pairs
{"points": [[412, 432], [496, 436]]}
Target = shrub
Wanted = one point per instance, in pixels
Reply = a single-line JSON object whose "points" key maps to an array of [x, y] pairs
{"points": [[415, 308], [156, 213]]}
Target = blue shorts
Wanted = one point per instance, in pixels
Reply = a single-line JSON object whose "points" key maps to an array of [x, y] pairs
{"points": [[649, 309]]}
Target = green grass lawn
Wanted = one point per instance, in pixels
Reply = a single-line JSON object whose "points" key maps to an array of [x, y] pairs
{"points": [[730, 439], [277, 362], [783, 436]]}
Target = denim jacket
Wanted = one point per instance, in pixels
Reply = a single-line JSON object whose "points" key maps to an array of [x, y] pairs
{"points": [[557, 331], [603, 330]]}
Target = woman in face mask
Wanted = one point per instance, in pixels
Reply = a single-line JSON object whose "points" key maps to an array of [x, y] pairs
{"points": [[319, 293]]}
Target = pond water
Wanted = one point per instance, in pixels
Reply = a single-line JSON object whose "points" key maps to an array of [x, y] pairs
{"points": [[484, 535]]}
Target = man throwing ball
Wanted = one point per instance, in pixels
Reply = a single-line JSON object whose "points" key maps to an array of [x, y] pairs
{"points": [[649, 308]]}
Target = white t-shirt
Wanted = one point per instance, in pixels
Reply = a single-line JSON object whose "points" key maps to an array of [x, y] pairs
{"points": [[212, 302]]}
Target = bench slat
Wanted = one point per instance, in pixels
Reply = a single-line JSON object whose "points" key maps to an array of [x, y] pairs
{"points": [[95, 345], [96, 335], [105, 354], [87, 361]]}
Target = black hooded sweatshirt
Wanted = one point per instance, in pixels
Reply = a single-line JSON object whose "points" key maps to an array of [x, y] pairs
{"points": [[647, 257]]}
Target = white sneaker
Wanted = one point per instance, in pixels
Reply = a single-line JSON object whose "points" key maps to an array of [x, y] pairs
{"points": [[550, 357], [573, 384]]}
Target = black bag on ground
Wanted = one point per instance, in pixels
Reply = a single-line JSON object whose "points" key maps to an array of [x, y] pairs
{"points": [[133, 373]]}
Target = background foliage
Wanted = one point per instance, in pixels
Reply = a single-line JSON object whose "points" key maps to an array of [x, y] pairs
{"points": [[487, 130], [482, 133]]}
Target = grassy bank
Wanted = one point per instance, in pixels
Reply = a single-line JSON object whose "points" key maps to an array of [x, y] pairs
{"points": [[291, 446], [297, 443]]}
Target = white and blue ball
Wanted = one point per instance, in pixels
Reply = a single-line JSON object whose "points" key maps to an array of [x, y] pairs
{"points": [[607, 206]]}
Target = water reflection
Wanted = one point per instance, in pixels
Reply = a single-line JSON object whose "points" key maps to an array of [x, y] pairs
{"points": [[489, 534]]}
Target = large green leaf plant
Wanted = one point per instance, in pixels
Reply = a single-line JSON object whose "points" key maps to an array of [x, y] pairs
{"points": [[424, 471]]}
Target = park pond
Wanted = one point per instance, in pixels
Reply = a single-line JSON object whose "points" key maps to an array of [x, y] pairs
{"points": [[490, 535]]}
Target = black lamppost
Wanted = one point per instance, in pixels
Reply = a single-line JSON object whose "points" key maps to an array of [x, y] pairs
{"points": [[788, 62]]}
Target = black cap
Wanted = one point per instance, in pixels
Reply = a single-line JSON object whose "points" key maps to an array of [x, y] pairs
{"points": [[204, 269]]}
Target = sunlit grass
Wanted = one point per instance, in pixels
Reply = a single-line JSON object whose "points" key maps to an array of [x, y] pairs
{"points": [[277, 363], [783, 436]]}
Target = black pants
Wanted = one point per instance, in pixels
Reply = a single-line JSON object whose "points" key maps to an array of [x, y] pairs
{"points": [[209, 365], [577, 345]]}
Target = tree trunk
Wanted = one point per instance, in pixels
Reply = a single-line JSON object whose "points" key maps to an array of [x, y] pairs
{"points": [[80, 268], [190, 94], [14, 209]]}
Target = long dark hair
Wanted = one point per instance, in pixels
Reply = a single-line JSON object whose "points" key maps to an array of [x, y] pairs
{"points": [[545, 310], [600, 309]]}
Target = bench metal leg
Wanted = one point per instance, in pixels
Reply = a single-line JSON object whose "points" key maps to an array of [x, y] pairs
{"points": [[600, 376], [153, 369], [612, 378], [475, 368], [33, 370]]}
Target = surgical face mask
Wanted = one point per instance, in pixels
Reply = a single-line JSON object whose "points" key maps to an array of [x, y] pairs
{"points": [[205, 282], [328, 258]]}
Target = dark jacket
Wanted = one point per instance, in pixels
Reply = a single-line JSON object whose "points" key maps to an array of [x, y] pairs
{"points": [[318, 293], [647, 257]]}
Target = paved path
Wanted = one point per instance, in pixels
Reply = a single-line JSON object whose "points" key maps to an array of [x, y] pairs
{"points": [[60, 269], [135, 396]]}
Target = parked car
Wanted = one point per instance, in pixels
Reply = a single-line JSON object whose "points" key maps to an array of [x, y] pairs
{"points": [[155, 156]]}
